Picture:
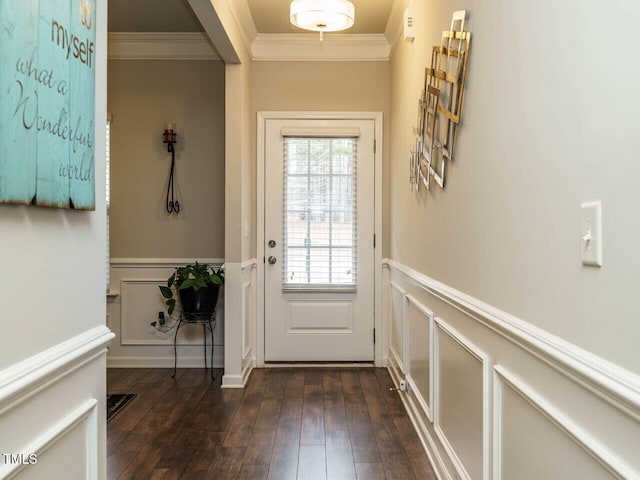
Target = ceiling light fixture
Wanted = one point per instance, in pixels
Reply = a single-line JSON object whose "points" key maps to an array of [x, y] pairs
{"points": [[322, 15]]}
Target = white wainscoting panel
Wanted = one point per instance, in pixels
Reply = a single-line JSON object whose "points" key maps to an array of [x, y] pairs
{"points": [[52, 411], [249, 269], [530, 429], [397, 330], [246, 315], [249, 295], [462, 376], [130, 314], [420, 373], [548, 409], [68, 450], [139, 305]]}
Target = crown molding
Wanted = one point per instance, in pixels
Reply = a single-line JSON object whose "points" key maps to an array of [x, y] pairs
{"points": [[302, 47], [306, 47], [336, 47], [394, 29], [160, 46], [242, 15]]}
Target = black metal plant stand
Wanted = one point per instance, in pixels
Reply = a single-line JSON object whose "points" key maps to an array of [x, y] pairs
{"points": [[207, 323]]}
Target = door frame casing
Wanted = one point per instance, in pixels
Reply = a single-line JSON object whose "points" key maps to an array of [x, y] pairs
{"points": [[260, 213]]}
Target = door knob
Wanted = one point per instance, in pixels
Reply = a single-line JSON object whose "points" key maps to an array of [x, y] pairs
{"points": [[272, 243], [272, 260]]}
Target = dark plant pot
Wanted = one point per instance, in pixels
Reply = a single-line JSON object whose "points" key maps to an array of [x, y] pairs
{"points": [[199, 305]]}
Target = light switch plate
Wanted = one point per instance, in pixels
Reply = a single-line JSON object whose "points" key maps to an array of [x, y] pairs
{"points": [[591, 234]]}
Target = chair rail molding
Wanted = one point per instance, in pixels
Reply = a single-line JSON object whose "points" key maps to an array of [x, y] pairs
{"points": [[472, 369], [30, 376], [160, 262], [611, 382]]}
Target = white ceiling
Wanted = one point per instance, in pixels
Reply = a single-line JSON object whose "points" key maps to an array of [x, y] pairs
{"points": [[269, 16]]}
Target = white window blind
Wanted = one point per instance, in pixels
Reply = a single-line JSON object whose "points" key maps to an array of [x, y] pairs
{"points": [[319, 213]]}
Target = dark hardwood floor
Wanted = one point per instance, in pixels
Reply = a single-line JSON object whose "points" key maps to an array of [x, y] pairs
{"points": [[288, 423]]}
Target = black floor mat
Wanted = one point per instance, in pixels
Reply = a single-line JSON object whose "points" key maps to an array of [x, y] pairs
{"points": [[116, 402]]}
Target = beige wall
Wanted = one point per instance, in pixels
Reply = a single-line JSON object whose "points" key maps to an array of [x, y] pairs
{"points": [[549, 122], [324, 86], [143, 96]]}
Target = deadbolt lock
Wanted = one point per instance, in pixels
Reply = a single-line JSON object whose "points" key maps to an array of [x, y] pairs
{"points": [[272, 243]]}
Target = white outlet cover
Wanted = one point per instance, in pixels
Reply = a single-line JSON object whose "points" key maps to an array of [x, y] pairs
{"points": [[591, 234]]}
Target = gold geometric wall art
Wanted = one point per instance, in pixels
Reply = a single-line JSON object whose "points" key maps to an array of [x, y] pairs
{"points": [[440, 106]]}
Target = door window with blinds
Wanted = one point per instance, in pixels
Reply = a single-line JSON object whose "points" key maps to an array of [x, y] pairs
{"points": [[320, 211]]}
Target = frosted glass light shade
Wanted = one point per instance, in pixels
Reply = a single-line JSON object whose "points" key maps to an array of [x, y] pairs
{"points": [[322, 15]]}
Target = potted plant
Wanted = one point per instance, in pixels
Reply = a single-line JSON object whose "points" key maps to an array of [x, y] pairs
{"points": [[197, 285]]}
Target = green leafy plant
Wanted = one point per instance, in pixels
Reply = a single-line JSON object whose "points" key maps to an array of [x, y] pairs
{"points": [[195, 276]]}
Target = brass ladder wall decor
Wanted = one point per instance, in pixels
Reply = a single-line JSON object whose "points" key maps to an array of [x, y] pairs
{"points": [[440, 106]]}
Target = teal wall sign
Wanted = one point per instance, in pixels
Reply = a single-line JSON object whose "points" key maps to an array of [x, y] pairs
{"points": [[47, 91]]}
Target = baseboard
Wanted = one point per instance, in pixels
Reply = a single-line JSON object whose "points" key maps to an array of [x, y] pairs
{"points": [[239, 381]]}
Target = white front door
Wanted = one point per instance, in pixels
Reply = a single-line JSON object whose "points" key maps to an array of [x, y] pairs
{"points": [[319, 234]]}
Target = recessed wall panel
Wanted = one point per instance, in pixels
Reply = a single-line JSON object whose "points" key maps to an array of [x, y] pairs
{"points": [[419, 349], [247, 317], [533, 447], [140, 303], [67, 458], [460, 402], [397, 320]]}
